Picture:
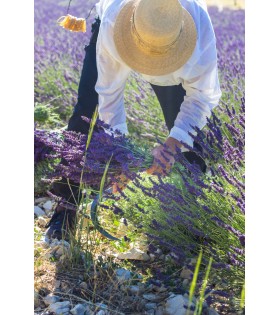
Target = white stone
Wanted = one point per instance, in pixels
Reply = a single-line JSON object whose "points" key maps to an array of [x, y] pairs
{"points": [[79, 309], [186, 283], [50, 299], [42, 243], [174, 256], [64, 286], [101, 307], [150, 306], [36, 299], [46, 239], [89, 311], [160, 289], [141, 245], [193, 298], [61, 251], [38, 211], [134, 289], [159, 310], [54, 249], [42, 221], [62, 311], [57, 284], [83, 285], [159, 251], [41, 199], [134, 254], [139, 276], [48, 206], [60, 307], [186, 273], [175, 305], [65, 243], [152, 297], [54, 243], [123, 274], [193, 261], [152, 257], [48, 255], [122, 227]]}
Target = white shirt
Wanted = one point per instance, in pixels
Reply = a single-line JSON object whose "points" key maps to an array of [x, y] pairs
{"points": [[199, 76]]}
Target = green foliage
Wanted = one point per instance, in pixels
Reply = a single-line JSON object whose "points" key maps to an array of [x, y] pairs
{"points": [[194, 280], [44, 115], [53, 83], [203, 287], [42, 170], [242, 300]]}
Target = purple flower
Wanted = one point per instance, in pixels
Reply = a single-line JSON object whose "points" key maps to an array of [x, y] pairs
{"points": [[242, 240]]}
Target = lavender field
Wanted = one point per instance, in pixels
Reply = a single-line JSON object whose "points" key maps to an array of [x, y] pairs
{"points": [[188, 228]]}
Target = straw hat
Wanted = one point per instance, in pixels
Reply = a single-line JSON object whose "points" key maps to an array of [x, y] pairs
{"points": [[154, 37]]}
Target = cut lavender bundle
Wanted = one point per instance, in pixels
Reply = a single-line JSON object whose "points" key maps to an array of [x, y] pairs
{"points": [[42, 143], [70, 147]]}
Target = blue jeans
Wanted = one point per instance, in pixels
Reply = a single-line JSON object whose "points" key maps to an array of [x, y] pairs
{"points": [[88, 100]]}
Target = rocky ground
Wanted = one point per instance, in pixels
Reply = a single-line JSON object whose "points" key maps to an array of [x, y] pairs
{"points": [[68, 282]]}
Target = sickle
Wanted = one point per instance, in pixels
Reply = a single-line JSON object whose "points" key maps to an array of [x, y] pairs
{"points": [[94, 218]]}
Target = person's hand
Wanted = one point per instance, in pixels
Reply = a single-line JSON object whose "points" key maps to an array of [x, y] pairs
{"points": [[164, 157], [120, 184]]}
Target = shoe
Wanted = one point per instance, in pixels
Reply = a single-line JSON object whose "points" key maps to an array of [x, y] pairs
{"points": [[62, 224]]}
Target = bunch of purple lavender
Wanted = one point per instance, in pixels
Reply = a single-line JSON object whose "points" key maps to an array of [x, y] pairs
{"points": [[42, 142], [104, 146]]}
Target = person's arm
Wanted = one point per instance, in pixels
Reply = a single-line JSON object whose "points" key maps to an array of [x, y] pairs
{"points": [[202, 95]]}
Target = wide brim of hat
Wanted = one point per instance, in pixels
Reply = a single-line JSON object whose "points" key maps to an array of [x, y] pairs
{"points": [[143, 61]]}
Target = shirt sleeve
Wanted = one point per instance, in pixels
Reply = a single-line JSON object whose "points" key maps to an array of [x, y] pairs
{"points": [[202, 95], [112, 76]]}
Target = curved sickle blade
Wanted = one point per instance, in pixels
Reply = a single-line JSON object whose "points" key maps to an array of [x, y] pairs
{"points": [[94, 218]]}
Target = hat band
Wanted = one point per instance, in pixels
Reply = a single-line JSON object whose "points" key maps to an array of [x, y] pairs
{"points": [[152, 49]]}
